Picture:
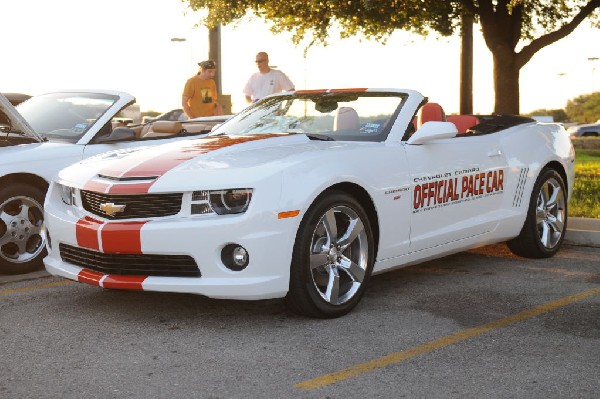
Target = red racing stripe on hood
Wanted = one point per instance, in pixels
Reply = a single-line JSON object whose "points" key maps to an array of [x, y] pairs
{"points": [[162, 163], [122, 237], [86, 232], [95, 186], [124, 282]]}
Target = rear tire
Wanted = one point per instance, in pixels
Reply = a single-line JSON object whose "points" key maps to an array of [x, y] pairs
{"points": [[22, 235], [546, 222], [332, 259]]}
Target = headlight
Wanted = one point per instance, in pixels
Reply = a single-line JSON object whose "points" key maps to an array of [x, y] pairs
{"points": [[67, 194], [222, 202]]}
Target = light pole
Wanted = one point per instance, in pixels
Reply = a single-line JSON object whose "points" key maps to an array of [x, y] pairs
{"points": [[562, 86], [593, 60], [180, 40]]}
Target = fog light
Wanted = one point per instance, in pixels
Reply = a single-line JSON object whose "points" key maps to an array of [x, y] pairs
{"points": [[235, 257]]}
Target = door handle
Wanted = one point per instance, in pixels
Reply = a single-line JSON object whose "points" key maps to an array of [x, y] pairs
{"points": [[494, 153]]}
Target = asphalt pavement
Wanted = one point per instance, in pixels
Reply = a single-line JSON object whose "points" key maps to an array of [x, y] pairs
{"points": [[580, 231]]}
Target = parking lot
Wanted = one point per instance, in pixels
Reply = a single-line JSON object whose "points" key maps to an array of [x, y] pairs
{"points": [[479, 323]]}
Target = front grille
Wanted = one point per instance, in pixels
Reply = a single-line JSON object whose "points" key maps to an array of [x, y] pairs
{"points": [[131, 264], [136, 206]]}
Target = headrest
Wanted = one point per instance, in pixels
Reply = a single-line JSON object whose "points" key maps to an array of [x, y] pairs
{"points": [[166, 127], [346, 118], [430, 112]]}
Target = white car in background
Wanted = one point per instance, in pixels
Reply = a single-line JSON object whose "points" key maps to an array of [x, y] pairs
{"points": [[47, 133], [304, 195]]}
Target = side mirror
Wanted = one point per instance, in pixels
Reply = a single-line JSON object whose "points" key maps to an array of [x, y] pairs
{"points": [[431, 131]]}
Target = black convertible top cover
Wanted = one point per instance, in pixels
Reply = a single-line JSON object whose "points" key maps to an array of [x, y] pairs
{"points": [[496, 123]]}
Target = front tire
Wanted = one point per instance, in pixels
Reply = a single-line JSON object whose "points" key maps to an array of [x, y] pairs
{"points": [[546, 223], [332, 259], [22, 236]]}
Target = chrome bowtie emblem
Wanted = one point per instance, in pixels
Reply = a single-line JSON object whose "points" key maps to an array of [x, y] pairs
{"points": [[110, 209]]}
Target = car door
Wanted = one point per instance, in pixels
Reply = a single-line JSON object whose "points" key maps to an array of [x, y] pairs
{"points": [[457, 188]]}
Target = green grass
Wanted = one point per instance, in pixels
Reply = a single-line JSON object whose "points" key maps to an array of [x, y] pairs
{"points": [[586, 193]]}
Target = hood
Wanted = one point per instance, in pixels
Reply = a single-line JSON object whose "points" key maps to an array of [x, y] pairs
{"points": [[215, 158], [15, 121]]}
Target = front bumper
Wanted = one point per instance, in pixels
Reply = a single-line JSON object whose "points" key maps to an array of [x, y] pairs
{"points": [[268, 240]]}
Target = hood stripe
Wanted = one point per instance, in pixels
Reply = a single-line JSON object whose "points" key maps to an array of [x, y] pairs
{"points": [[161, 164]]}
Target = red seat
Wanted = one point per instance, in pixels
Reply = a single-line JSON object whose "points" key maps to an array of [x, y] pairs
{"points": [[430, 112], [463, 122]]}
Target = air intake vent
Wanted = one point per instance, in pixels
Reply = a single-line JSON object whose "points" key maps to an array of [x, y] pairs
{"points": [[131, 264]]}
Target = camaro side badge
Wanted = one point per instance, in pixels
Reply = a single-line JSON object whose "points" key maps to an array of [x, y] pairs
{"points": [[111, 209]]}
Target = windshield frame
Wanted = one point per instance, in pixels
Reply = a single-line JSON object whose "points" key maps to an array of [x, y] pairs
{"points": [[266, 115]]}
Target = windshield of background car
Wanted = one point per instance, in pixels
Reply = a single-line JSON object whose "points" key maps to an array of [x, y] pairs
{"points": [[65, 116], [348, 116]]}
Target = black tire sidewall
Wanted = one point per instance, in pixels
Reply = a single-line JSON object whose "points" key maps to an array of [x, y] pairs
{"points": [[301, 283], [529, 240]]}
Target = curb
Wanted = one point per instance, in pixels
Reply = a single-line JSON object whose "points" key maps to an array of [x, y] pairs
{"points": [[584, 232]]}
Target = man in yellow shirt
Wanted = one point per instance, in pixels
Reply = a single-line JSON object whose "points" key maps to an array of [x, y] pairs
{"points": [[199, 96]]}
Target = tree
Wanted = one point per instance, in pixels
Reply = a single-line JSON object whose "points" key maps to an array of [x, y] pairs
{"points": [[506, 24], [585, 108], [558, 115]]}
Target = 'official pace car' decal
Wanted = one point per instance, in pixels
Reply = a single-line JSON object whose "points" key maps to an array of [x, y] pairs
{"points": [[450, 188], [149, 170]]}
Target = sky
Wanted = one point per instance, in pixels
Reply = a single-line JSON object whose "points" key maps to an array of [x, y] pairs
{"points": [[126, 45]]}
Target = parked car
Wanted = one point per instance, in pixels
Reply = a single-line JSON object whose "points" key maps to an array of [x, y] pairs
{"points": [[305, 195], [172, 115], [586, 130], [47, 133]]}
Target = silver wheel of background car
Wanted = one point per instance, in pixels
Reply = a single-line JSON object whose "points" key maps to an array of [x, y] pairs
{"points": [[544, 228], [550, 213], [22, 234], [333, 256], [338, 255]]}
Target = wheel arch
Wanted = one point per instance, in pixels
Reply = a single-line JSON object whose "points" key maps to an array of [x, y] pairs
{"points": [[363, 197], [558, 167], [27, 178]]}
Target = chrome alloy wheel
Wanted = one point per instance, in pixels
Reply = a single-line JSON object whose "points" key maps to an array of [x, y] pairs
{"points": [[338, 255], [550, 213], [22, 236]]}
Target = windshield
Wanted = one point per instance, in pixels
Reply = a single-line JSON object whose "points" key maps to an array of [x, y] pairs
{"points": [[65, 116], [341, 115]]}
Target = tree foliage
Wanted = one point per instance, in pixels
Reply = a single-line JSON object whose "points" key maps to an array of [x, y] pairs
{"points": [[514, 30], [558, 115], [585, 108]]}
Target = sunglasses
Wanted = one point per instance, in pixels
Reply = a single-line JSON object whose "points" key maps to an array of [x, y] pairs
{"points": [[259, 61]]}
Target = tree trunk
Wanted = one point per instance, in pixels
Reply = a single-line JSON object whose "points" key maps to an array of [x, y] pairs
{"points": [[466, 66], [506, 84]]}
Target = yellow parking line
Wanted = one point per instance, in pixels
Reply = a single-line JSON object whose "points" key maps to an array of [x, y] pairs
{"points": [[564, 272], [430, 346], [36, 287]]}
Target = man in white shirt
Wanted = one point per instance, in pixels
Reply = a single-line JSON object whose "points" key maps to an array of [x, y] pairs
{"points": [[266, 81]]}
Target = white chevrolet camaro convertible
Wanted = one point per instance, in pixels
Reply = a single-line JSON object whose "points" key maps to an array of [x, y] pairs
{"points": [[305, 195], [49, 132]]}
